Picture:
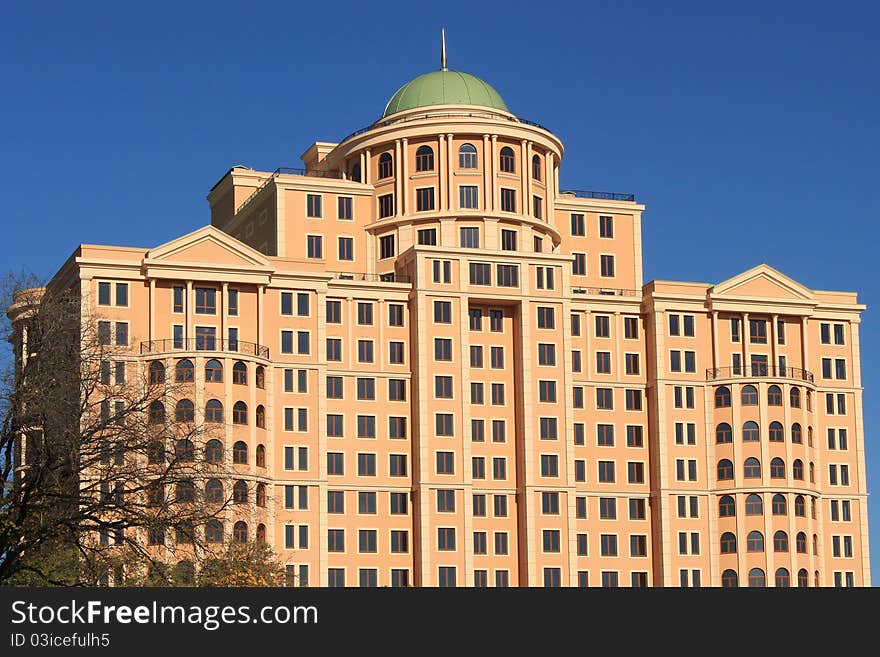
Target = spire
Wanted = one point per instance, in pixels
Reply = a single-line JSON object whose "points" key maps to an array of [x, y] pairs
{"points": [[442, 48]]}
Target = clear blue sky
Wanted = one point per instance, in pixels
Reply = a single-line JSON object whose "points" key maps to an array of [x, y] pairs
{"points": [[749, 129]]}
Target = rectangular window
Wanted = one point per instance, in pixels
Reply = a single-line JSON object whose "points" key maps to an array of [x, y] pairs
{"points": [[604, 398], [579, 264], [344, 207], [469, 237], [442, 270], [334, 463], [496, 320], [608, 508], [206, 301], [603, 362], [537, 207], [366, 465], [386, 206], [635, 472], [633, 400], [103, 294], [313, 205], [396, 389], [496, 355], [603, 326], [398, 503], [606, 226], [424, 199], [122, 334], [395, 352], [606, 266], [334, 346], [478, 469], [122, 294], [634, 436], [548, 428], [480, 273], [442, 349], [838, 334], [177, 303], [442, 312], [605, 435], [302, 342], [366, 388], [631, 363], [631, 328], [395, 314], [365, 351], [508, 275], [577, 225], [606, 471], [508, 240], [386, 247], [468, 197], [508, 199], [758, 331], [366, 426], [443, 387], [547, 391], [427, 237], [546, 318], [346, 248], [499, 468], [446, 463]]}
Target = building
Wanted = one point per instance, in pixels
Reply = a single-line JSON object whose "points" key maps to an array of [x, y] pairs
{"points": [[459, 378]]}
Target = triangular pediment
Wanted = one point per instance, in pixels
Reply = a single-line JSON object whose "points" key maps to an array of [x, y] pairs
{"points": [[763, 282], [208, 246]]}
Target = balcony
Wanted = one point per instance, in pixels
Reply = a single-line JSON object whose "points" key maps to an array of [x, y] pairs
{"points": [[204, 343], [759, 371], [390, 277], [602, 196], [606, 291]]}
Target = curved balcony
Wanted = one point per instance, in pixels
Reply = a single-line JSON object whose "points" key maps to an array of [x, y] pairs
{"points": [[204, 343], [759, 371]]}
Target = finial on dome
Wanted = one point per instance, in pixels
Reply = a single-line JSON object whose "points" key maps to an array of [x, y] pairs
{"points": [[442, 48]]}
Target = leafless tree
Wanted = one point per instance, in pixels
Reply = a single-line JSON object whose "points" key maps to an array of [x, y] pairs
{"points": [[107, 475]]}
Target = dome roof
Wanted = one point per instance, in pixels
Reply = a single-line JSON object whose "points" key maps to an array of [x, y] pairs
{"points": [[444, 87]]}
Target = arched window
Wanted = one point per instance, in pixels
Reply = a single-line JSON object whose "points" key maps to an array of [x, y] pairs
{"points": [[184, 370], [803, 578], [506, 160], [749, 396], [722, 397], [157, 372], [184, 573], [240, 492], [728, 543], [239, 452], [157, 412], [726, 507], [184, 450], [777, 468], [751, 433], [261, 456], [816, 579], [800, 543], [213, 411], [809, 436], [783, 581], [812, 473], [776, 433], [386, 166], [214, 531], [214, 451], [213, 370], [261, 533], [756, 578], [723, 433], [813, 507], [261, 494], [809, 397], [774, 396], [239, 373], [239, 413], [536, 167], [729, 580], [261, 377], [797, 470], [755, 542], [356, 172], [795, 397], [240, 532], [778, 505], [155, 452], [780, 541], [214, 491], [754, 505], [425, 158], [467, 157], [185, 491], [185, 411], [800, 506], [260, 417], [752, 468], [725, 469], [796, 433]]}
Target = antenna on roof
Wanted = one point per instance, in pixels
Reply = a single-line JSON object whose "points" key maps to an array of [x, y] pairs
{"points": [[442, 48]]}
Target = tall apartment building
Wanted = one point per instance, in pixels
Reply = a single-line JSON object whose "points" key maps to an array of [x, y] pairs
{"points": [[446, 371]]}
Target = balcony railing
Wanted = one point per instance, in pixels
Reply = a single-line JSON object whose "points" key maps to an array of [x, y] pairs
{"points": [[390, 277], [606, 291], [604, 196], [204, 343], [288, 170], [754, 371]]}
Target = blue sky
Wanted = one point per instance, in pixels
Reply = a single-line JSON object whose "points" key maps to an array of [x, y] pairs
{"points": [[749, 129]]}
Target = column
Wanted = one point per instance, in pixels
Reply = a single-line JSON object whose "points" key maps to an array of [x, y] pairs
{"points": [[152, 311], [188, 331], [223, 313], [366, 163], [715, 363], [404, 205], [397, 181], [261, 289], [524, 179], [493, 171], [773, 337], [548, 181], [449, 186], [441, 181], [744, 336], [486, 203]]}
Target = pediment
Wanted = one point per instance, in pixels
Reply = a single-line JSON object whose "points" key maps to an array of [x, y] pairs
{"points": [[208, 246], [763, 282]]}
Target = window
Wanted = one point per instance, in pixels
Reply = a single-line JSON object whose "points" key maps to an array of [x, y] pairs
{"points": [[396, 389], [313, 205], [399, 541], [606, 266], [425, 158], [386, 206], [546, 318], [549, 465], [508, 275], [579, 264], [606, 226], [603, 362], [446, 501], [547, 391], [506, 160], [443, 387], [634, 436], [728, 543], [443, 349], [315, 246], [758, 331], [725, 469], [346, 248], [386, 166], [344, 207], [508, 240], [367, 540], [633, 400], [480, 273], [446, 577], [467, 157], [468, 197], [395, 314], [749, 396], [366, 464], [398, 503], [537, 206], [604, 398], [550, 540], [755, 542], [606, 471], [445, 463], [752, 468], [499, 468], [469, 237], [386, 247], [478, 465], [751, 432], [603, 328], [508, 199], [631, 328], [722, 397], [424, 199], [631, 362], [723, 433], [577, 225], [103, 294]]}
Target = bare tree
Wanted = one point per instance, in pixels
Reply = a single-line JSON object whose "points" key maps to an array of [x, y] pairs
{"points": [[108, 474]]}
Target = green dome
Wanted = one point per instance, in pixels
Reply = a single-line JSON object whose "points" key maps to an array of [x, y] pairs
{"points": [[444, 87]]}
